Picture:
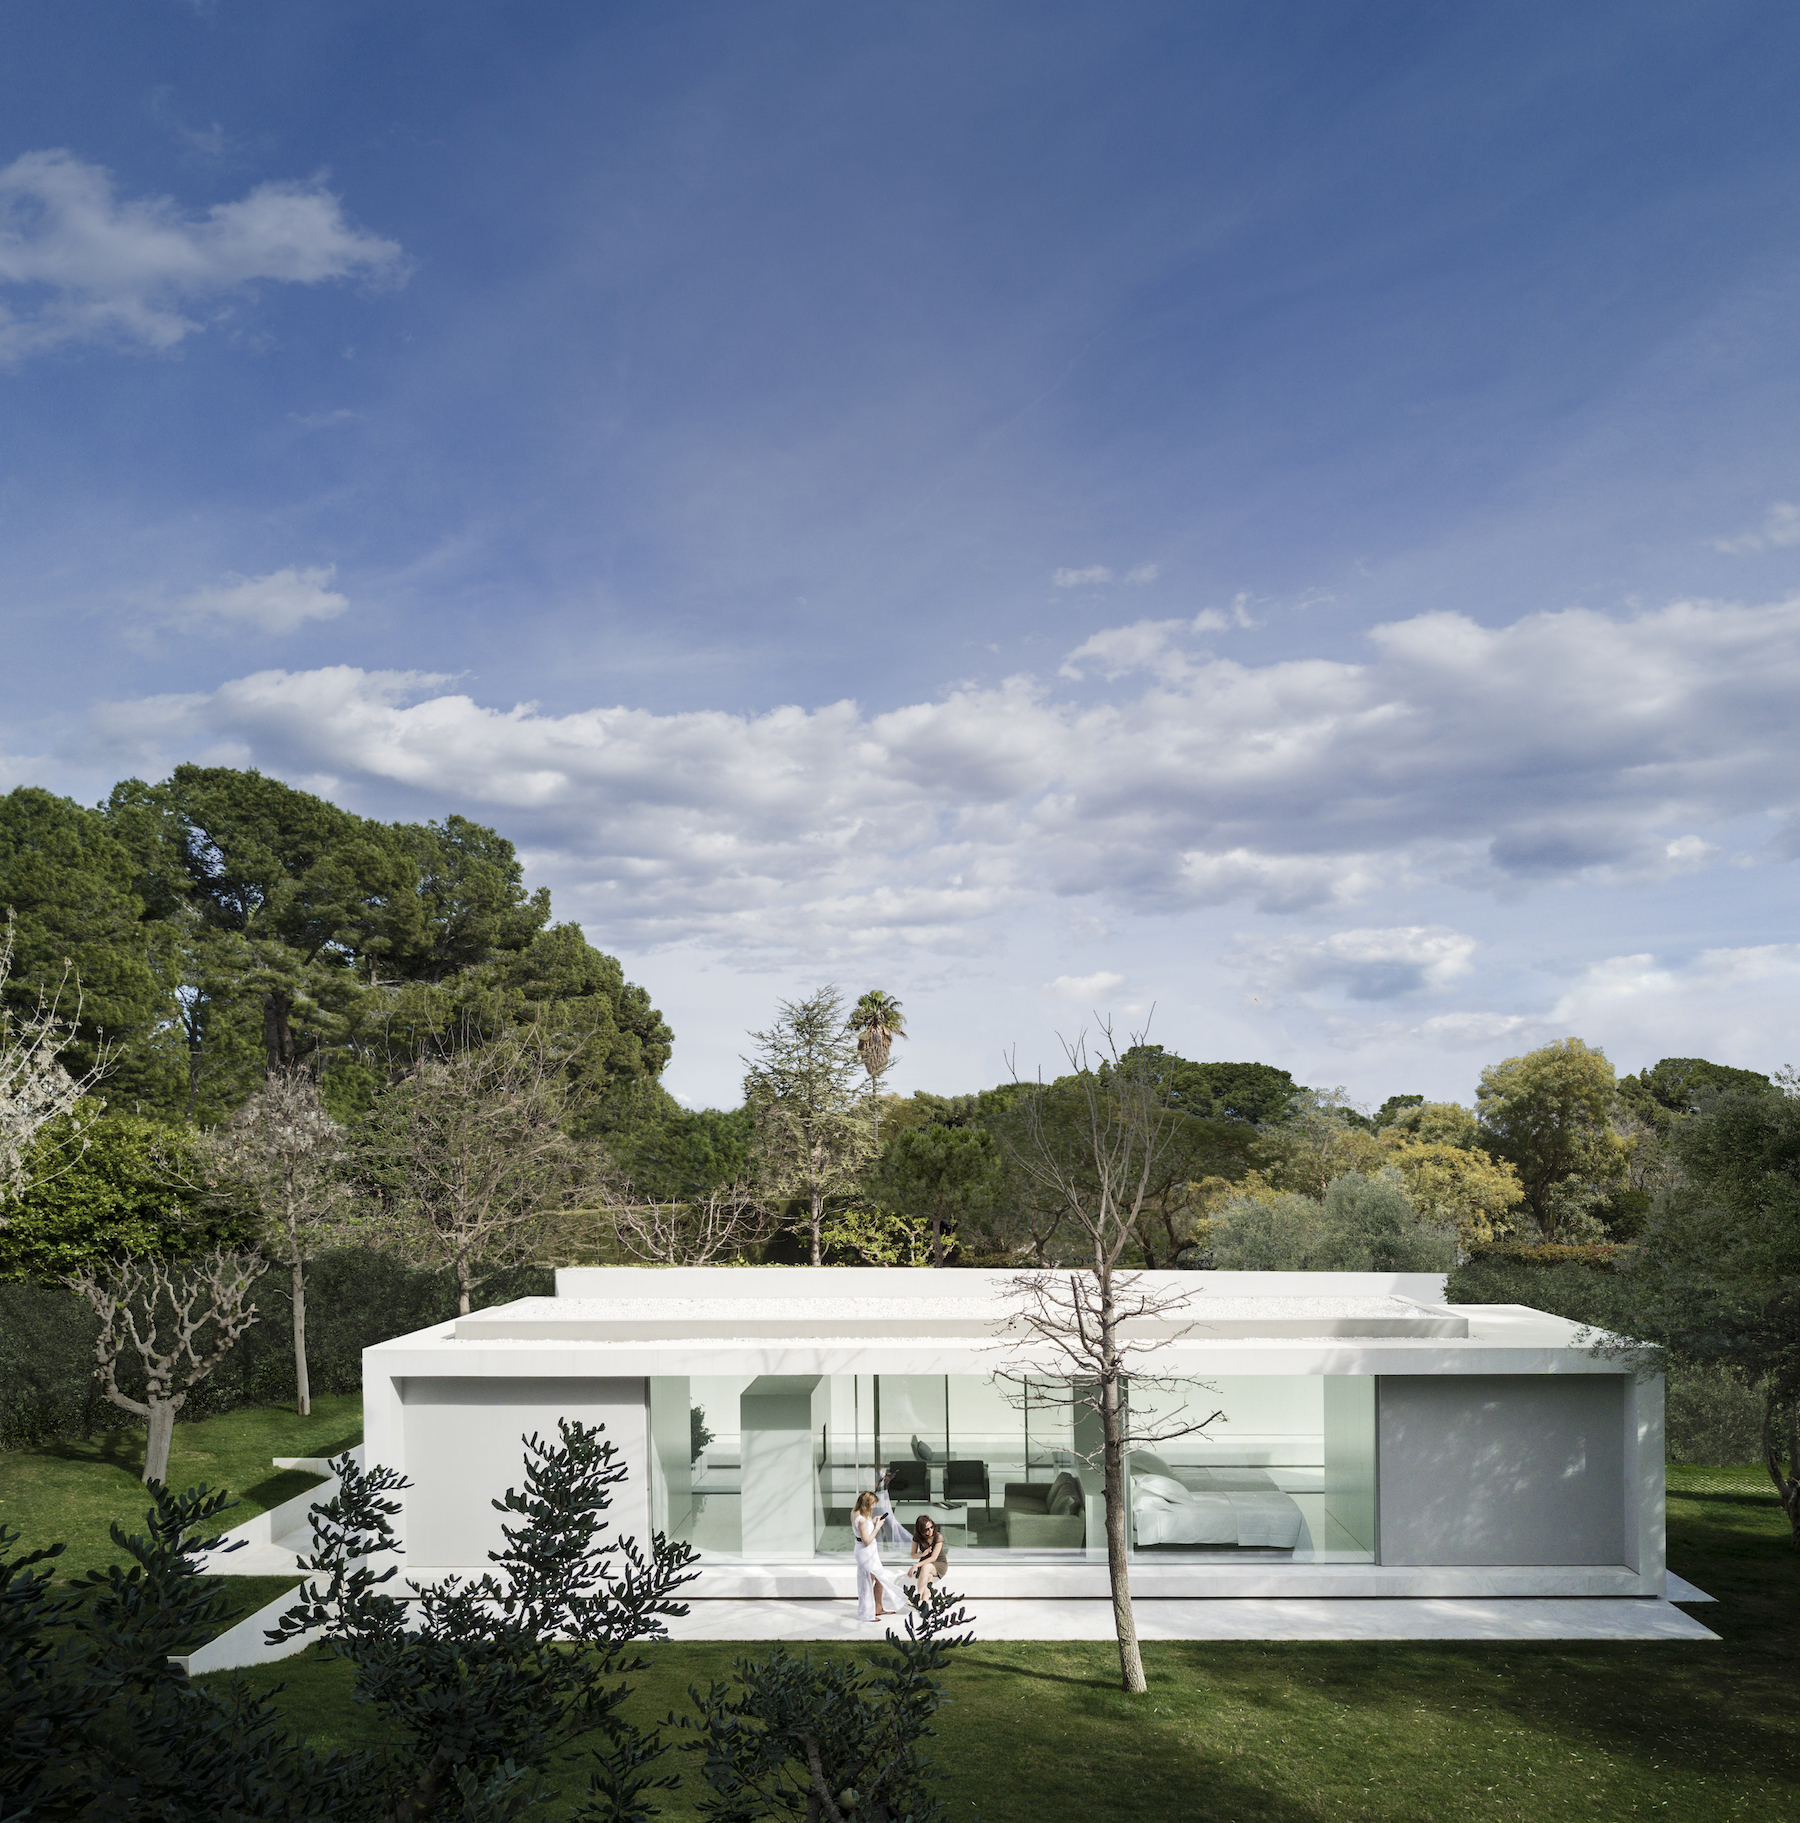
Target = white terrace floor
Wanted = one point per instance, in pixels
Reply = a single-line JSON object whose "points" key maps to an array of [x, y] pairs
{"points": [[1289, 1618]]}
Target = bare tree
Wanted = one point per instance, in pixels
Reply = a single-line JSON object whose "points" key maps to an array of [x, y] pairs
{"points": [[726, 1221], [181, 1320], [1090, 1326], [288, 1153], [35, 1088], [814, 1135], [471, 1157]]}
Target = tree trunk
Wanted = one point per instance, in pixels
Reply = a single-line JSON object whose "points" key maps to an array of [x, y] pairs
{"points": [[1787, 1482], [937, 1235], [1118, 1565], [818, 1218], [159, 1433], [462, 1285], [278, 1037], [302, 1382]]}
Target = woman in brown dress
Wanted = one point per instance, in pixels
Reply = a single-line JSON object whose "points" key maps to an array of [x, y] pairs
{"points": [[930, 1556]]}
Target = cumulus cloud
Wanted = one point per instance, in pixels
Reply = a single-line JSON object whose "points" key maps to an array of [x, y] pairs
{"points": [[1086, 988], [1075, 579], [1566, 746], [1150, 645], [82, 264], [1651, 1007], [1364, 964], [276, 603], [1780, 526]]}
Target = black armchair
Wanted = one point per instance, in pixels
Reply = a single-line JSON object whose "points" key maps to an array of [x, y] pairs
{"points": [[909, 1480], [968, 1482]]}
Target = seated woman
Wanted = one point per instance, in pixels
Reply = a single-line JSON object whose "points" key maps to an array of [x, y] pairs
{"points": [[930, 1557]]}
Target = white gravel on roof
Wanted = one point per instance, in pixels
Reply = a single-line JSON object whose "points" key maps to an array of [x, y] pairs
{"points": [[1196, 1308]]}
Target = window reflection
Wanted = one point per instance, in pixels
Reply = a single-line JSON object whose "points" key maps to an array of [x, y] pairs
{"points": [[767, 1468]]}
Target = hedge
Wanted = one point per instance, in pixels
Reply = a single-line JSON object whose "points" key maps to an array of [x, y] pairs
{"points": [[1600, 1256], [354, 1299]]}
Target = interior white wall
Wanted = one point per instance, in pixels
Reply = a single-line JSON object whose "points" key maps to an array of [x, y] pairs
{"points": [[1349, 1451]]}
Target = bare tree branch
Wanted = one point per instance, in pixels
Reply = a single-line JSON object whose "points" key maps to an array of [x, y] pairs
{"points": [[471, 1156], [1096, 1152], [35, 1088], [726, 1221], [163, 1311], [287, 1152]]}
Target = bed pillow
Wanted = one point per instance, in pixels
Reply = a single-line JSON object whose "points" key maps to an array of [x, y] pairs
{"points": [[1159, 1487], [1144, 1462]]}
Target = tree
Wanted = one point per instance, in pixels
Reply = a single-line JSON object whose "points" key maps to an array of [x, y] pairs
{"points": [[476, 1683], [1321, 1138], [814, 1134], [103, 1184], [877, 1021], [1455, 1187], [1716, 1273], [35, 1089], [69, 886], [181, 1322], [610, 1038], [829, 1740], [1363, 1224], [1079, 1328], [1549, 1115], [727, 1221], [469, 1158], [1433, 1123], [98, 1723], [286, 1152], [941, 1174]]}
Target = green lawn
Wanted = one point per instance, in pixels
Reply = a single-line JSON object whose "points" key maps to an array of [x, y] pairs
{"points": [[74, 1491], [1280, 1733]]}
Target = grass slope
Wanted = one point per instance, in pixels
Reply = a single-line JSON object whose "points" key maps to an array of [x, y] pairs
{"points": [[75, 1490], [1288, 1733]]}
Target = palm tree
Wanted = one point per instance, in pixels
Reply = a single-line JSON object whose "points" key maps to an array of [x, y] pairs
{"points": [[877, 1021]]}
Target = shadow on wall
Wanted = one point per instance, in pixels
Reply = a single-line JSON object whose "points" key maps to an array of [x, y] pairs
{"points": [[1503, 1469]]}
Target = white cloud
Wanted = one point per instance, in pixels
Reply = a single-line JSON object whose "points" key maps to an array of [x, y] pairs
{"points": [[1567, 746], [277, 603], [1780, 526], [1087, 988], [1150, 645], [84, 265], [1365, 964], [1146, 645], [1716, 1003], [1075, 579], [1145, 572]]}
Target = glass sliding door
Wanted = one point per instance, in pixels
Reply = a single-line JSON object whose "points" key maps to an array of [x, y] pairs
{"points": [[768, 1468]]}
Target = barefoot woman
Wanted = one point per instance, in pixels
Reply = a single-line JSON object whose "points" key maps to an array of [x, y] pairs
{"points": [[930, 1557], [872, 1579]]}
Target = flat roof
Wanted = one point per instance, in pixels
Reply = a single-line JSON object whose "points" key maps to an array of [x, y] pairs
{"points": [[1199, 1314]]}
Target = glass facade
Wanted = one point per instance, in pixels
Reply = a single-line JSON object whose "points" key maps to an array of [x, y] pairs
{"points": [[767, 1469]]}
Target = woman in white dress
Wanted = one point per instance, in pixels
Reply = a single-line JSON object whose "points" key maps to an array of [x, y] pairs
{"points": [[872, 1579]]}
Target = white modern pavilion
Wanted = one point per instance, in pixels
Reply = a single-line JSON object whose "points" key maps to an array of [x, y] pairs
{"points": [[1371, 1440]]}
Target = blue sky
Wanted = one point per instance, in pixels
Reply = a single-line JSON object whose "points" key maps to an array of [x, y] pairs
{"points": [[1285, 514]]}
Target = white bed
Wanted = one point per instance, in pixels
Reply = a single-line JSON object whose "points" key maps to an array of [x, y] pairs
{"points": [[1238, 1506]]}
